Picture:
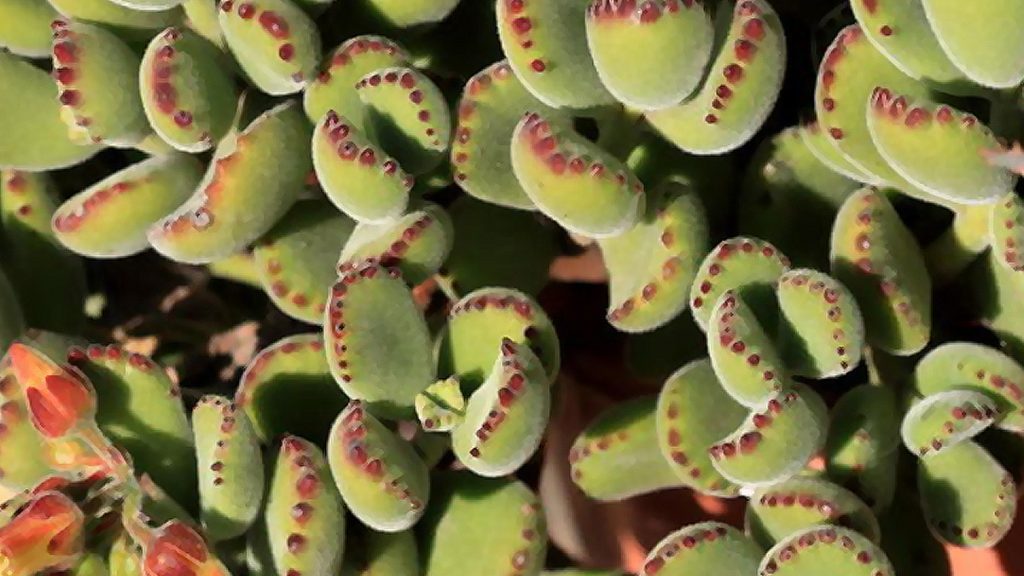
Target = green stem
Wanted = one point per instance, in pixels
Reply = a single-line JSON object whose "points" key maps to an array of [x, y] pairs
{"points": [[133, 523], [959, 245], [619, 130], [886, 370], [446, 286]]}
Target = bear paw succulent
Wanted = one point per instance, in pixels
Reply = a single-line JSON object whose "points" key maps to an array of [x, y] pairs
{"points": [[293, 287]]}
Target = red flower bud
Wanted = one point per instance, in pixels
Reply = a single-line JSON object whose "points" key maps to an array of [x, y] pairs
{"points": [[178, 550], [45, 535], [58, 399]]}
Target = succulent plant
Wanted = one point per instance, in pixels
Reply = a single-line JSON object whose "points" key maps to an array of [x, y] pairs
{"points": [[375, 203]]}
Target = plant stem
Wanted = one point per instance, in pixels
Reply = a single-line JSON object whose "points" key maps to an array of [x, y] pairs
{"points": [[619, 129], [959, 245]]}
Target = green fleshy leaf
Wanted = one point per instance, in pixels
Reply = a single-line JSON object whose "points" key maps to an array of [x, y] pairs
{"points": [[25, 27], [49, 281], [822, 331], [371, 319], [35, 138], [335, 87], [406, 113], [274, 41], [356, 174], [417, 243], [493, 102], [110, 219], [652, 266], [545, 42], [981, 40], [188, 98], [441, 407], [937, 148], [381, 478], [254, 178], [477, 325], [785, 183], [97, 77], [580, 186], [969, 500], [1006, 231], [581, 572], [12, 321], [745, 358], [819, 142], [139, 403], [749, 266], [865, 426], [496, 246], [994, 293], [624, 437], [315, 7], [230, 468], [372, 553], [844, 552], [850, 71], [201, 16], [239, 267], [694, 412], [879, 260], [740, 89], [506, 416], [711, 548], [405, 14], [507, 530], [777, 511], [131, 24], [862, 444], [296, 258], [900, 30], [969, 366], [148, 5], [288, 389], [304, 520], [675, 39], [776, 443], [943, 420]]}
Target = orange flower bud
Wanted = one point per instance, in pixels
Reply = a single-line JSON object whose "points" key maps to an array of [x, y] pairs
{"points": [[178, 550], [58, 399], [45, 535]]}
